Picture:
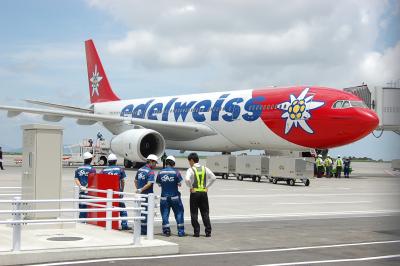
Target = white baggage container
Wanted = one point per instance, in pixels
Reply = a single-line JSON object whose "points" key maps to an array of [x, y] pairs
{"points": [[291, 169], [396, 164], [222, 165], [252, 166]]}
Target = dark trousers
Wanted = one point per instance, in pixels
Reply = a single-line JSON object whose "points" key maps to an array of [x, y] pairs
{"points": [[346, 171], [339, 171], [320, 171], [1, 165], [83, 206], [199, 200]]}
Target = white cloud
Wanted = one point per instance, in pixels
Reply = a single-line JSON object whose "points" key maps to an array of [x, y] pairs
{"points": [[380, 68], [255, 43]]}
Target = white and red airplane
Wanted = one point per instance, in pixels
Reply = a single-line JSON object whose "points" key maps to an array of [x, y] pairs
{"points": [[287, 118]]}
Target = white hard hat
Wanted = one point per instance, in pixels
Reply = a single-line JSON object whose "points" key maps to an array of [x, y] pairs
{"points": [[338, 156], [329, 155], [112, 157], [87, 155], [319, 155], [152, 157], [170, 157]]}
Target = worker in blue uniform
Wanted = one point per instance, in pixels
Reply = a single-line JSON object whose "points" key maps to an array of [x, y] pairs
{"points": [[144, 182], [169, 179], [81, 180], [113, 169]]}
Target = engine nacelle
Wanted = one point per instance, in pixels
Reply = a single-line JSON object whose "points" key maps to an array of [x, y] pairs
{"points": [[136, 144]]}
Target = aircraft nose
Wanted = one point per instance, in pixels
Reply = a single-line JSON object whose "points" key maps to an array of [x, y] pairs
{"points": [[369, 121]]}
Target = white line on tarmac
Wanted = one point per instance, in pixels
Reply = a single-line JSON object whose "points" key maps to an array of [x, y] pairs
{"points": [[332, 261], [296, 195], [222, 253], [319, 203], [305, 215]]}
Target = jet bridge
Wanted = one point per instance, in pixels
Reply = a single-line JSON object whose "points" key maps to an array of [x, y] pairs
{"points": [[385, 101]]}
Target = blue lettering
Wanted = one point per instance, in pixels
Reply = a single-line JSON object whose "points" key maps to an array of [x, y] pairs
{"points": [[233, 109], [127, 110], [181, 109], [217, 107], [167, 108], [203, 106], [254, 109], [141, 109], [154, 110]]}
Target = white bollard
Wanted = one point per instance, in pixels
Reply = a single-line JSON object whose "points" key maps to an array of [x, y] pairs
{"points": [[109, 205], [150, 217], [136, 222], [76, 203], [16, 244]]}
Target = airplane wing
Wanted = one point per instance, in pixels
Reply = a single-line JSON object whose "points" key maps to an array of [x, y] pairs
{"points": [[61, 106], [169, 130]]}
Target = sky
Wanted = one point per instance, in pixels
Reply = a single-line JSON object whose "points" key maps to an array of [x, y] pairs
{"points": [[160, 48]]}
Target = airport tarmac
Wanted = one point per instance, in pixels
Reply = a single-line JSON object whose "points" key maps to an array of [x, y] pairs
{"points": [[352, 221]]}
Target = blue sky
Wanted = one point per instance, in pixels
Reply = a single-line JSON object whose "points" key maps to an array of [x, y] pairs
{"points": [[172, 47]]}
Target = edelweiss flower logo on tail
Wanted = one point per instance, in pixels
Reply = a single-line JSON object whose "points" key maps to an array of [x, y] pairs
{"points": [[95, 80], [297, 111]]}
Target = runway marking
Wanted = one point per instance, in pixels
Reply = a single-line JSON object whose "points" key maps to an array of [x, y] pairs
{"points": [[307, 215], [326, 202], [392, 173], [223, 253], [332, 261]]}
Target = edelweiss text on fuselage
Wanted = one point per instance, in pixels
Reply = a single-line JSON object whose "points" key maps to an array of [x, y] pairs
{"points": [[228, 110]]}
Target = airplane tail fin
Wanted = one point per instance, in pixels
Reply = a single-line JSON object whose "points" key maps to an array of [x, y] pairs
{"points": [[99, 87]]}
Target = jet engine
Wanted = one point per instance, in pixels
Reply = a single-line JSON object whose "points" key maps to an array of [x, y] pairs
{"points": [[136, 144]]}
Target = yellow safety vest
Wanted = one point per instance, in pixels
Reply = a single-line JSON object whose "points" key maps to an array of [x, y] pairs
{"points": [[319, 162], [339, 162], [200, 174]]}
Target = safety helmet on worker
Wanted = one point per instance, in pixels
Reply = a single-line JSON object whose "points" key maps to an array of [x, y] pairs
{"points": [[319, 156], [112, 157], [152, 157], [171, 158], [87, 155], [338, 156]]}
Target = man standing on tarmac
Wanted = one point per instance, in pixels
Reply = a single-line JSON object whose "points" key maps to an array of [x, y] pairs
{"points": [[81, 180], [199, 178], [320, 166], [346, 168], [113, 169], [170, 179], [144, 182], [1, 159], [339, 167], [328, 166]]}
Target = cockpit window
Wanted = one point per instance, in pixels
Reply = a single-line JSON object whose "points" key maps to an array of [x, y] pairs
{"points": [[341, 104], [346, 104], [358, 104], [337, 104]]}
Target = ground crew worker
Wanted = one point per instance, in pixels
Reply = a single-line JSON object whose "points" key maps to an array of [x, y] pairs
{"points": [[339, 167], [346, 167], [163, 159], [81, 180], [113, 169], [1, 159], [170, 179], [320, 166], [328, 166], [199, 178], [144, 182]]}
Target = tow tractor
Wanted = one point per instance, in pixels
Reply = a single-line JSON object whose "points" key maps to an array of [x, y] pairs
{"points": [[100, 148]]}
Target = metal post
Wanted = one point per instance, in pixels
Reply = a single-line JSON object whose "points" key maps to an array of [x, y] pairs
{"points": [[136, 222], [150, 217], [16, 243], [76, 203], [109, 205]]}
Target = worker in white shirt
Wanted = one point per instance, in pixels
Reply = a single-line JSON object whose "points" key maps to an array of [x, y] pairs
{"points": [[199, 178]]}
